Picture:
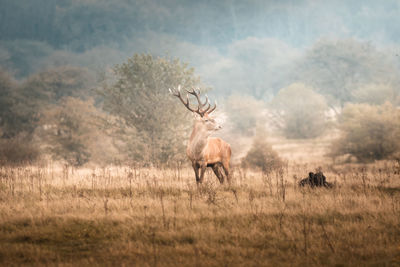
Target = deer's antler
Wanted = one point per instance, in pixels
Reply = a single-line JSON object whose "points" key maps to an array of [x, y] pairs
{"points": [[201, 108]]}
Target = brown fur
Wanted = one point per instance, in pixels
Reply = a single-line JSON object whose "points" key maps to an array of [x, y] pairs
{"points": [[205, 151], [202, 150]]}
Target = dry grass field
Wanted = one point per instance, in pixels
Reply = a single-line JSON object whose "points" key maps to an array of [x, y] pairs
{"points": [[159, 217]]}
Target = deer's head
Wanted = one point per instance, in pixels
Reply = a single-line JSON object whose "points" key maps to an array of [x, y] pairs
{"points": [[202, 113], [208, 123]]}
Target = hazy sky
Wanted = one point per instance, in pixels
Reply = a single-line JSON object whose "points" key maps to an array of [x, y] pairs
{"points": [[221, 39]]}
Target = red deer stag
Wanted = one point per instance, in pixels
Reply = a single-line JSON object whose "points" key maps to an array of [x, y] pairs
{"points": [[205, 151]]}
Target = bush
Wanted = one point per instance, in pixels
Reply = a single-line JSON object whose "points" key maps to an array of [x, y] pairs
{"points": [[376, 94], [139, 97], [300, 111], [261, 156], [18, 151], [368, 132], [244, 112], [72, 132]]}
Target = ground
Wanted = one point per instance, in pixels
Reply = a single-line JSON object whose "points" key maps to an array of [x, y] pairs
{"points": [[159, 217]]}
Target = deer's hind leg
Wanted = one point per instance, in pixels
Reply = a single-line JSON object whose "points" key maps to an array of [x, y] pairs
{"points": [[217, 170], [225, 166]]}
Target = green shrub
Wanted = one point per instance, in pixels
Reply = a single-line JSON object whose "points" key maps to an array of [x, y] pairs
{"points": [[140, 99]]}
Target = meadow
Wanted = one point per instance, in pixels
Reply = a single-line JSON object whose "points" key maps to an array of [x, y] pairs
{"points": [[131, 216]]}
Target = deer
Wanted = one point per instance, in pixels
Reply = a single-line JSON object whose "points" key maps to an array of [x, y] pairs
{"points": [[202, 150]]}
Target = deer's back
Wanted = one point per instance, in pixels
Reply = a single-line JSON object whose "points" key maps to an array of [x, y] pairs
{"points": [[217, 150]]}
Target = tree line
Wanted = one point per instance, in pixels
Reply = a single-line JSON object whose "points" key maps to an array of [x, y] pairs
{"points": [[70, 115]]}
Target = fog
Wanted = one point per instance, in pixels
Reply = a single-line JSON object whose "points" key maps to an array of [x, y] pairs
{"points": [[263, 52], [254, 42], [284, 151]]}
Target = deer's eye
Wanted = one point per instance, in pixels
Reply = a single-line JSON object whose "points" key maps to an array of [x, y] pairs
{"points": [[206, 120]]}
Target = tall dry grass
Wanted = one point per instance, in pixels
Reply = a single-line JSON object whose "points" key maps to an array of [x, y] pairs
{"points": [[159, 217]]}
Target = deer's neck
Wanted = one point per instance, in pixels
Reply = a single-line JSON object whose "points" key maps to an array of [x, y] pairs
{"points": [[197, 142]]}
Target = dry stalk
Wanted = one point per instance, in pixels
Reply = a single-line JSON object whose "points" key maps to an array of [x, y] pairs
{"points": [[106, 206], [267, 179], [145, 216], [190, 199], [326, 237], [175, 211], [281, 215], [163, 209], [130, 175], [234, 192], [283, 184], [153, 239], [363, 178]]}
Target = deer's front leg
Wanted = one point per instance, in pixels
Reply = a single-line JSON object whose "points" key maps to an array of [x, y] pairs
{"points": [[203, 167], [196, 171]]}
